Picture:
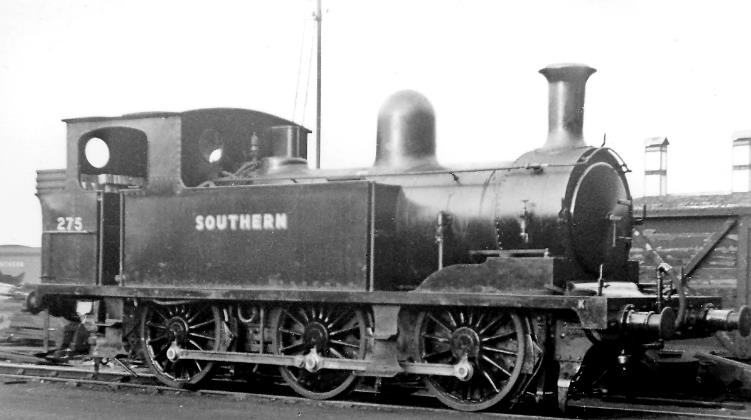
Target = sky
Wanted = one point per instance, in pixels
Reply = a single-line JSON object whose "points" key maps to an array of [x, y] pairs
{"points": [[678, 69]]}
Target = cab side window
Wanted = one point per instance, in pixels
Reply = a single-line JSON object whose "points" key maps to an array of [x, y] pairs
{"points": [[115, 151]]}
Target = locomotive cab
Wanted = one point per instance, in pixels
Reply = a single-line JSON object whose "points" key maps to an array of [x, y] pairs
{"points": [[144, 154]]}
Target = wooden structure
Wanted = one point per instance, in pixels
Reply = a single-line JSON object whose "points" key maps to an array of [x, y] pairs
{"points": [[708, 239]]}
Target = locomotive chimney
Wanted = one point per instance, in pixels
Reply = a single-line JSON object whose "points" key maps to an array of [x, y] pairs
{"points": [[405, 140], [566, 105]]}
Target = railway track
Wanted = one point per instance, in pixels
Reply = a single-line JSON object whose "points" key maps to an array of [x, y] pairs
{"points": [[112, 379], [124, 378], [659, 408]]}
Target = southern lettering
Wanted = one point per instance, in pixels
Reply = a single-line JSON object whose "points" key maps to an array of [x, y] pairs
{"points": [[255, 221]]}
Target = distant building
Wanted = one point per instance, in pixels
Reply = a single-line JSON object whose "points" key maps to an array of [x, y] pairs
{"points": [[20, 263], [656, 166], [742, 161]]}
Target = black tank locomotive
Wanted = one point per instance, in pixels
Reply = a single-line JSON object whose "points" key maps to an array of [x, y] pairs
{"points": [[491, 283]]}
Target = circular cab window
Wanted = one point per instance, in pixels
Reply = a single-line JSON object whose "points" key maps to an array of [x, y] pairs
{"points": [[97, 152], [211, 145]]}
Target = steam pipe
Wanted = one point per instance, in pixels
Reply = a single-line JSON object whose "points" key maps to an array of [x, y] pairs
{"points": [[566, 85]]}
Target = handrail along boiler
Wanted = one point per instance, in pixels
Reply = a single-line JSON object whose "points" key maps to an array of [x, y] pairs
{"points": [[493, 284]]}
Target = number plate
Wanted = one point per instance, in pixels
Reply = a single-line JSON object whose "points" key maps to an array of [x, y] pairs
{"points": [[69, 224]]}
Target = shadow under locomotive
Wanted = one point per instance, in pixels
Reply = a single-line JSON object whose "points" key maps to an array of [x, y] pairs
{"points": [[494, 284]]}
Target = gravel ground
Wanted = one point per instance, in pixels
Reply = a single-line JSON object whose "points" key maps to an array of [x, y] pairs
{"points": [[41, 401]]}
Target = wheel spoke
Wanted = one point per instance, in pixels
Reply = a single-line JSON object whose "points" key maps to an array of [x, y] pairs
{"points": [[158, 338], [499, 351], [490, 380], [452, 320], [498, 337], [157, 326], [492, 323], [344, 330], [291, 346], [479, 320], [336, 320], [196, 345], [336, 353], [435, 338], [293, 318], [206, 337], [441, 324], [290, 332], [491, 362], [202, 324], [159, 312], [305, 315], [195, 316], [436, 354], [344, 343]]}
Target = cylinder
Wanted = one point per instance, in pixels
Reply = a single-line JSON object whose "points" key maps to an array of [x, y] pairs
{"points": [[566, 85]]}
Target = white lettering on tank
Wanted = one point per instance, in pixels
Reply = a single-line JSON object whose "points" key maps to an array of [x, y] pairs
{"points": [[232, 221], [210, 222], [281, 221], [256, 221], [221, 222], [268, 221], [244, 222]]}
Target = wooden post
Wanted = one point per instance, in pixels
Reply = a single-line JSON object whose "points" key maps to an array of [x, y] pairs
{"points": [[742, 266]]}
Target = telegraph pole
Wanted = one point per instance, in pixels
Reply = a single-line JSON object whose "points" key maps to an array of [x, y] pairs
{"points": [[319, 21]]}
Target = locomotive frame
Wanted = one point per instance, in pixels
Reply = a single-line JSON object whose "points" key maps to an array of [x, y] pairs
{"points": [[493, 284]]}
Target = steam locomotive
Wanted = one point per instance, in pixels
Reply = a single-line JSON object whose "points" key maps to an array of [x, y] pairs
{"points": [[492, 284]]}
